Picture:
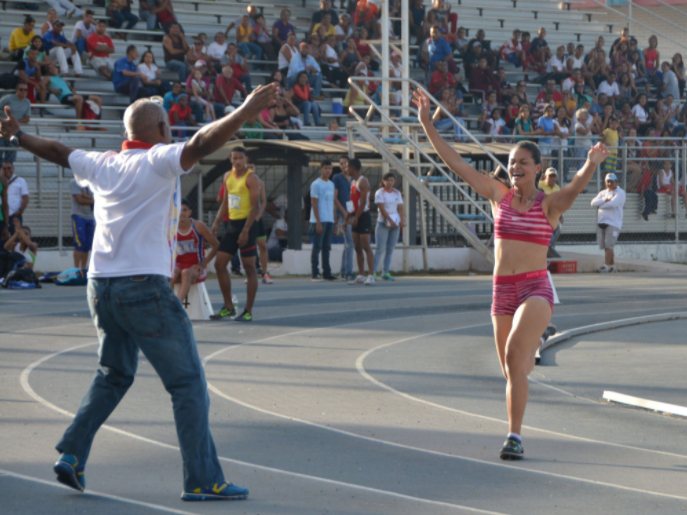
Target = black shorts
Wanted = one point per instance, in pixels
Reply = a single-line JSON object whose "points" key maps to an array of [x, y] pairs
{"points": [[68, 100], [261, 229], [230, 240], [364, 224]]}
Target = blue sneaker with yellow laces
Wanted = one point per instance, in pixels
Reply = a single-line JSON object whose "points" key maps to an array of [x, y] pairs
{"points": [[70, 472], [217, 492]]}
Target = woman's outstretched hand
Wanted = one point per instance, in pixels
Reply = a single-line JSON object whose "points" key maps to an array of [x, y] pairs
{"points": [[598, 153], [423, 104]]}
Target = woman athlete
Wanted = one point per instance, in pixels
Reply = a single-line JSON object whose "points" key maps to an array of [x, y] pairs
{"points": [[524, 219]]}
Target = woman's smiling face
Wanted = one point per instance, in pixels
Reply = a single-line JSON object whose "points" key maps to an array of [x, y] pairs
{"points": [[521, 167]]}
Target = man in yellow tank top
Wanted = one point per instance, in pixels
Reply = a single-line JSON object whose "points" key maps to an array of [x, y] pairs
{"points": [[241, 200]]}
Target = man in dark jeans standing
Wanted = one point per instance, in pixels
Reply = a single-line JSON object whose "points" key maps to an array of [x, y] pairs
{"points": [[322, 195]]}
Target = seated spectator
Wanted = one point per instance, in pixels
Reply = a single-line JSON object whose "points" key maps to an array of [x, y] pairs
{"points": [[42, 59], [68, 96], [226, 86], [253, 124], [597, 68], [286, 53], [440, 78], [600, 104], [440, 50], [21, 242], [180, 114], [64, 8], [669, 81], [21, 38], [343, 31], [550, 87], [263, 39], [303, 61], [349, 57], [196, 54], [198, 86], [59, 50], [171, 97], [488, 105], [164, 12], [471, 58], [416, 20], [524, 125], [491, 55], [245, 39], [364, 48], [548, 129], [26, 71], [334, 130], [483, 80], [505, 86], [575, 78], [216, 51], [511, 50], [303, 99], [512, 111], [276, 243], [281, 29], [430, 21], [119, 11], [152, 73], [555, 67], [147, 12], [495, 125], [239, 65], [46, 26], [442, 121], [175, 49], [314, 48], [100, 47], [325, 28], [365, 15], [21, 110], [569, 104], [610, 88], [83, 28], [540, 50], [330, 65], [325, 8], [285, 115], [583, 134], [127, 80], [521, 92], [581, 96]]}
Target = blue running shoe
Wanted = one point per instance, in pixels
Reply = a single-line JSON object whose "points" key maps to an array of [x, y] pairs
{"points": [[388, 277], [70, 472], [217, 492], [512, 450]]}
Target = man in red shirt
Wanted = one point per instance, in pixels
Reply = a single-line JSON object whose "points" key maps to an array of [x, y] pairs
{"points": [[239, 65], [550, 88], [100, 46], [440, 78], [181, 114], [225, 87]]}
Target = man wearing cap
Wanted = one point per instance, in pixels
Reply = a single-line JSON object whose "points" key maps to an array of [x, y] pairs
{"points": [[137, 201], [303, 61], [60, 49], [609, 203], [126, 78], [100, 46]]}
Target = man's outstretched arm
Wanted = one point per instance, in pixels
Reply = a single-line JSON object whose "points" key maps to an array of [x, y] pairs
{"points": [[45, 148], [213, 136]]}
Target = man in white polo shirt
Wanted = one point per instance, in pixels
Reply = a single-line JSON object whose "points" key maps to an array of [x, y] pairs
{"points": [[609, 220], [137, 200]]}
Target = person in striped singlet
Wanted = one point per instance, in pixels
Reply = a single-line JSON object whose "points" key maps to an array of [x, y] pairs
{"points": [[524, 219]]}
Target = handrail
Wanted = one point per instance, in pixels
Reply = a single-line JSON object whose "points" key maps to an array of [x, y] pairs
{"points": [[638, 22], [659, 17], [439, 166], [665, 4]]}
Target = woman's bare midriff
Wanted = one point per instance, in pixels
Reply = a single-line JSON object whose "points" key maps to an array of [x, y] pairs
{"points": [[518, 257]]}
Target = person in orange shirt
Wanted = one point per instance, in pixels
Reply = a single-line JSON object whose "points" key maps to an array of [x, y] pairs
{"points": [[366, 14], [304, 100], [181, 114]]}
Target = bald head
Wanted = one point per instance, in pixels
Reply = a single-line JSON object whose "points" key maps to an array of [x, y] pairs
{"points": [[146, 120]]}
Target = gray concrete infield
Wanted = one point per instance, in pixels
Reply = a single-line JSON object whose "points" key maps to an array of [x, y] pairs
{"points": [[384, 399]]}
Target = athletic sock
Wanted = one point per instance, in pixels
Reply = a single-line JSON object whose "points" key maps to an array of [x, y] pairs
{"points": [[542, 340], [514, 437]]}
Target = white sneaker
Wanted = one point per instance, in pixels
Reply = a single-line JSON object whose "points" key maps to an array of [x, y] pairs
{"points": [[613, 269], [370, 280], [603, 269], [358, 280]]}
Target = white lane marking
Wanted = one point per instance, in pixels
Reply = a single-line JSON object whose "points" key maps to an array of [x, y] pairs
{"points": [[638, 402], [24, 379], [359, 364], [91, 493]]}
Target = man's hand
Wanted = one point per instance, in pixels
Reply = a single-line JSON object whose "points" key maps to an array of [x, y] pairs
{"points": [[598, 153], [15, 220], [354, 222], [10, 126], [262, 97], [318, 228], [213, 229], [392, 224], [243, 239], [423, 105]]}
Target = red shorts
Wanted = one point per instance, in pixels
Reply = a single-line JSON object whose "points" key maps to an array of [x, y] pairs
{"points": [[201, 278], [510, 291]]}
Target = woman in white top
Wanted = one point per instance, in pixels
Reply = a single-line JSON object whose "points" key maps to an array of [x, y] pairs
{"points": [[390, 221], [148, 68], [331, 67], [666, 184], [583, 136], [396, 70], [288, 50], [201, 95], [343, 31], [641, 114], [21, 242], [47, 24]]}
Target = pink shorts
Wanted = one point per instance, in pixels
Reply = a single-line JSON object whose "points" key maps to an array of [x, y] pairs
{"points": [[510, 291]]}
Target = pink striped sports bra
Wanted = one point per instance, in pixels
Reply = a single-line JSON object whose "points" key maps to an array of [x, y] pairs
{"points": [[531, 226]]}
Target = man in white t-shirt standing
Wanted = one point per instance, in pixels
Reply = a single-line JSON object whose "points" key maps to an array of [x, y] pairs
{"points": [[609, 203], [137, 200], [17, 195]]}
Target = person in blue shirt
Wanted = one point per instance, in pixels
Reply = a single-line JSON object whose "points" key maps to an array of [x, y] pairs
{"points": [[440, 50], [540, 48], [545, 123], [303, 61], [60, 49], [171, 97], [598, 106], [342, 185], [322, 195], [126, 78]]}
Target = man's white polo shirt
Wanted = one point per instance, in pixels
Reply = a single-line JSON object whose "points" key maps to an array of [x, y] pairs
{"points": [[137, 201]]}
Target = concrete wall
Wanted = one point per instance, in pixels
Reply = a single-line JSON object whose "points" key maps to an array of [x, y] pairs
{"points": [[663, 252]]}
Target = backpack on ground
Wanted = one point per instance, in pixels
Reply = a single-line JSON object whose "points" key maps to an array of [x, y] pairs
{"points": [[72, 277], [21, 278]]}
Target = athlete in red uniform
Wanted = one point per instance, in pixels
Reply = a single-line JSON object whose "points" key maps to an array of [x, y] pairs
{"points": [[524, 219], [190, 266]]}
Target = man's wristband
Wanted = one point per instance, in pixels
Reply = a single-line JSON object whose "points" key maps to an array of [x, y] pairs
{"points": [[14, 140]]}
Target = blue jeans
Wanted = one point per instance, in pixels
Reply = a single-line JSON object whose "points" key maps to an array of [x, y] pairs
{"points": [[132, 313], [446, 124], [135, 89], [179, 67], [306, 108], [321, 243], [314, 79], [245, 80], [119, 17], [81, 45], [386, 239], [7, 156], [249, 49], [347, 257], [148, 18]]}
